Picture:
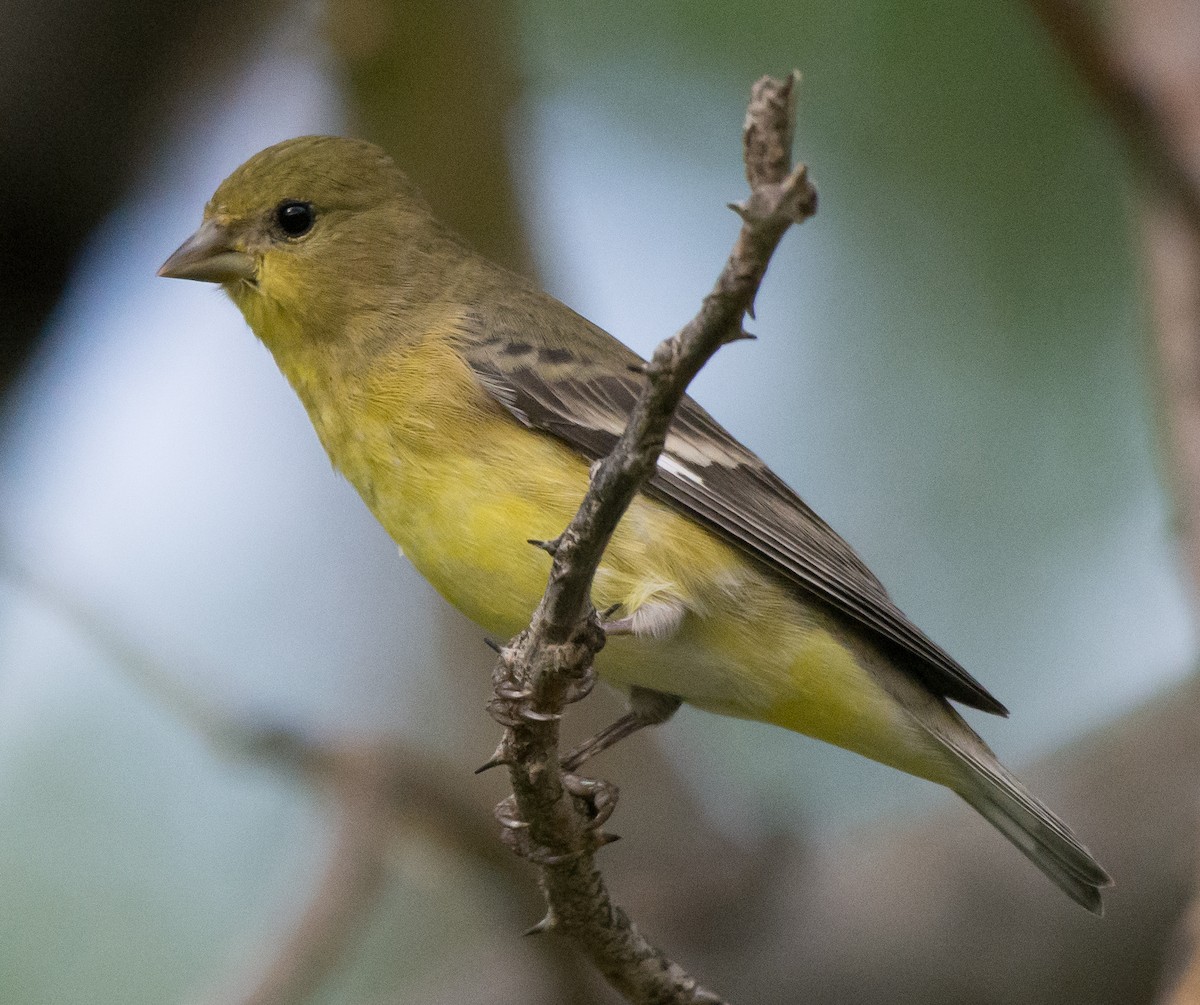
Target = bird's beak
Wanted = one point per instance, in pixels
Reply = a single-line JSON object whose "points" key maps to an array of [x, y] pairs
{"points": [[209, 256]]}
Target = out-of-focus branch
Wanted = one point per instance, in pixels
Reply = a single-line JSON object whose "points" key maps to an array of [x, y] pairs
{"points": [[436, 85], [378, 789], [552, 817], [84, 89], [361, 784], [1144, 68], [1113, 77]]}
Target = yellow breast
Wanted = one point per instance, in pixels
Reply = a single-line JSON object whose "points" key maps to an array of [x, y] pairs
{"points": [[462, 487]]}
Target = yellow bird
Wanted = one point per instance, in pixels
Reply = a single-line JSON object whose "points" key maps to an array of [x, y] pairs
{"points": [[466, 406]]}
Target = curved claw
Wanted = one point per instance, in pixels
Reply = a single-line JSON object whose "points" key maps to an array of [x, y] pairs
{"points": [[502, 712], [581, 687], [508, 816], [600, 797]]}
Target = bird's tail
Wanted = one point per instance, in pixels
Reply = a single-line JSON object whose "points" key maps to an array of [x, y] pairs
{"points": [[1030, 825]]}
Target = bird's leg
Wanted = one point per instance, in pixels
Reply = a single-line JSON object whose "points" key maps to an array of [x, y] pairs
{"points": [[659, 619], [646, 708], [618, 626]]}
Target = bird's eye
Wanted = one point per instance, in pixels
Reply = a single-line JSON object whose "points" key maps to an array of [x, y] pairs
{"points": [[295, 218]]}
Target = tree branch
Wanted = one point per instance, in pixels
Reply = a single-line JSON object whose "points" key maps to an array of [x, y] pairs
{"points": [[378, 790], [1147, 81], [553, 818], [1135, 111]]}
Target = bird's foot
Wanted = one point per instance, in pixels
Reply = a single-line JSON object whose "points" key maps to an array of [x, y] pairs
{"points": [[599, 798]]}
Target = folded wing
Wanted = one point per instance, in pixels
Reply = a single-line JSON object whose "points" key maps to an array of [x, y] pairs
{"points": [[582, 392]]}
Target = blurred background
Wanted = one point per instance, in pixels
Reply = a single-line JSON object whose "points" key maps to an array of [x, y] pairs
{"points": [[237, 731]]}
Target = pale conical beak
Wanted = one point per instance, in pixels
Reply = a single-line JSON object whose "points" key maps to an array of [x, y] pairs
{"points": [[208, 256]]}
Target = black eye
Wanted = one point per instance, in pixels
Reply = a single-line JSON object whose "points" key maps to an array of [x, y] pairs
{"points": [[295, 218]]}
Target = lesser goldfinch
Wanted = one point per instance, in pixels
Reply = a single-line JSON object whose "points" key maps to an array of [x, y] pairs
{"points": [[465, 406]]}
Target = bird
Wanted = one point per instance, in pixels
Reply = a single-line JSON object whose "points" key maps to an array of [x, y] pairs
{"points": [[467, 406]]}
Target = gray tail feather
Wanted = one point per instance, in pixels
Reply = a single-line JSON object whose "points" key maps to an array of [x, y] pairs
{"points": [[1044, 839]]}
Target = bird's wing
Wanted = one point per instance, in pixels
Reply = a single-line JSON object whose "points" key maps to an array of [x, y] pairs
{"points": [[582, 392]]}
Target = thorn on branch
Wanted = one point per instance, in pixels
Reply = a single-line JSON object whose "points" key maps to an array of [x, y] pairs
{"points": [[791, 200], [495, 762], [797, 196], [501, 756], [550, 547], [545, 925]]}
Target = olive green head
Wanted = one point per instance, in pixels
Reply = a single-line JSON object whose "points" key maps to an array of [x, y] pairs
{"points": [[304, 219]]}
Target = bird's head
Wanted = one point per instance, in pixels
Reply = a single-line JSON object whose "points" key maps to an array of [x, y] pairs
{"points": [[300, 224]]}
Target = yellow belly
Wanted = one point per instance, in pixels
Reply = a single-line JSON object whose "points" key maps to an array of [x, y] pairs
{"points": [[462, 487]]}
